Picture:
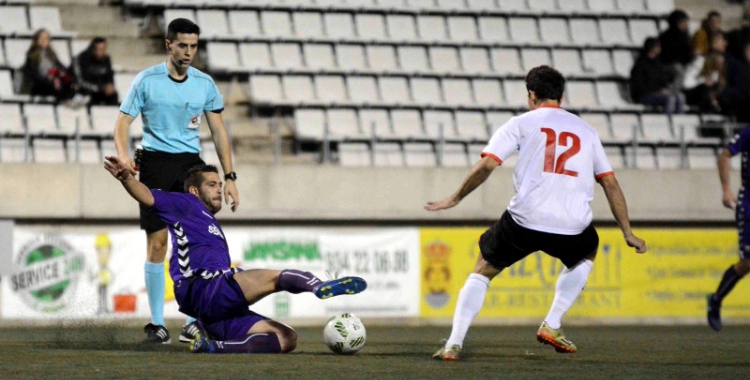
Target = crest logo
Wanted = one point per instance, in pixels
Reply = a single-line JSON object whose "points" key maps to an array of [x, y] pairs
{"points": [[437, 273]]}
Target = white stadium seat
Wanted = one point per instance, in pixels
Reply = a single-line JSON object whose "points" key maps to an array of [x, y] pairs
{"points": [[223, 56], [640, 29], [371, 27], [457, 92], [669, 158], [615, 157], [623, 62], [584, 32], [641, 157], [103, 119], [432, 28], [213, 23], [419, 155], [13, 20], [581, 94], [602, 6], [471, 125], [657, 129], [567, 61], [702, 158], [266, 89], [377, 121], [435, 120], [426, 91], [388, 155], [413, 59], [49, 151], [244, 23], [401, 27], [286, 56], [615, 31], [462, 29], [523, 30], [69, 119], [276, 24], [350, 57], [454, 155], [45, 18], [171, 14], [597, 62], [554, 30], [308, 25], [41, 119], [298, 89], [14, 150], [87, 151], [255, 56], [513, 5], [330, 88], [600, 122], [487, 92], [310, 124], [339, 26], [354, 154], [12, 119], [625, 127], [515, 92], [394, 90], [381, 58], [318, 56], [444, 60], [506, 61], [493, 29], [15, 51], [362, 90], [343, 123], [532, 58], [475, 60]]}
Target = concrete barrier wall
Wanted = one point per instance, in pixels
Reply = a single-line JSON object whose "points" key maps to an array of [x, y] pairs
{"points": [[304, 192]]}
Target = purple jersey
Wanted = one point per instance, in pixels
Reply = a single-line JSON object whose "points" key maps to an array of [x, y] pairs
{"points": [[741, 144], [198, 244]]}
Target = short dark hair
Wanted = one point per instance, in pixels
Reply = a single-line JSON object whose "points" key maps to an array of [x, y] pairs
{"points": [[182, 25], [713, 13], [546, 82], [676, 17], [194, 175], [649, 44]]}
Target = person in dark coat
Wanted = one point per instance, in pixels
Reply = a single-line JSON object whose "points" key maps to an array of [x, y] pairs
{"points": [[94, 74], [650, 80]]}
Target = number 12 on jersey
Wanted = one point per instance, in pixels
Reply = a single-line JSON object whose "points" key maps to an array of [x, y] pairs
{"points": [[565, 138]]}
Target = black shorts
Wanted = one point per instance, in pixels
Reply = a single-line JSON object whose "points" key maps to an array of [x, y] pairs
{"points": [[507, 242], [163, 171]]}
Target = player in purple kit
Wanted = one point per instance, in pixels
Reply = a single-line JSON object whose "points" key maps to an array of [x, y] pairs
{"points": [[739, 144], [205, 285]]}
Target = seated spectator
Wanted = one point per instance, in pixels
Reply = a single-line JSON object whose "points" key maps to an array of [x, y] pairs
{"points": [[735, 99], [43, 74], [675, 46], [702, 89], [94, 74], [650, 80], [711, 25]]}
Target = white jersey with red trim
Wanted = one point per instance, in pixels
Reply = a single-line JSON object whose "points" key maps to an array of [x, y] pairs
{"points": [[559, 158]]}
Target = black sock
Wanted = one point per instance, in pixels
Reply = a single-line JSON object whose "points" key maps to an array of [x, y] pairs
{"points": [[728, 281]]}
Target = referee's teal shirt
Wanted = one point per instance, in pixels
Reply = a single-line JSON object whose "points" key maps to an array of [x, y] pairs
{"points": [[171, 109]]}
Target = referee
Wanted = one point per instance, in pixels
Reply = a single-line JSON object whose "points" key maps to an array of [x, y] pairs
{"points": [[171, 97]]}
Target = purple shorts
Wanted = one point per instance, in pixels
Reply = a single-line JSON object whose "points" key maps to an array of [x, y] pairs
{"points": [[218, 304]]}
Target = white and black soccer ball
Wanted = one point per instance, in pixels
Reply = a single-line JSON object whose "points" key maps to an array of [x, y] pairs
{"points": [[345, 334]]}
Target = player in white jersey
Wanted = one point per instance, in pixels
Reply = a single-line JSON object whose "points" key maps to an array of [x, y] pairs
{"points": [[559, 159]]}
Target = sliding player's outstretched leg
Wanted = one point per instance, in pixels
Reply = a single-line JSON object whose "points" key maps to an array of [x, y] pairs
{"points": [[296, 281], [340, 286]]}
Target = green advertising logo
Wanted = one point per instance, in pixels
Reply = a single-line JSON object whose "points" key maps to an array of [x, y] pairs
{"points": [[282, 251], [46, 273]]}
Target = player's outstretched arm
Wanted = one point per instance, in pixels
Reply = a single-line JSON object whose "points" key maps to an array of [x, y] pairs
{"points": [[135, 188], [479, 173], [723, 161], [620, 210], [122, 140], [224, 151]]}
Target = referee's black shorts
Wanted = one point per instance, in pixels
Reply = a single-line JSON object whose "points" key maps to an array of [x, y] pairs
{"points": [[163, 171], [507, 242]]}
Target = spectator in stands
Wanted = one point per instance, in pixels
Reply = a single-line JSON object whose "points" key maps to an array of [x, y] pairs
{"points": [[735, 99], [94, 74], [705, 78], [43, 73], [675, 46], [650, 80], [711, 25]]}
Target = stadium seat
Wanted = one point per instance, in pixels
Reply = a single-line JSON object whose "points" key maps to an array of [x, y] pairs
{"points": [[394, 90], [687, 126], [222, 56], [388, 155], [362, 90], [407, 124], [354, 154], [641, 157], [657, 129], [48, 151], [624, 127], [13, 20], [103, 119], [377, 121], [610, 96], [471, 126], [496, 119], [487, 92], [640, 29], [532, 58], [276, 24], [12, 119], [256, 56], [506, 61], [450, 5], [567, 61], [171, 14], [543, 6], [584, 32], [70, 119], [381, 58], [457, 92], [310, 124], [401, 28], [419, 155], [444, 60], [580, 94], [286, 56], [481, 5], [78, 46], [523, 30], [208, 152], [123, 82], [493, 29], [107, 147], [298, 89], [474, 153], [330, 89], [14, 150], [600, 122], [213, 23], [370, 27], [597, 62], [318, 56], [573, 6], [266, 89], [343, 123], [432, 28], [391, 4], [6, 89], [454, 155], [88, 151], [669, 158], [616, 31], [623, 62], [40, 119], [413, 59], [462, 29], [554, 30], [350, 57], [475, 61], [702, 158], [633, 7], [3, 63], [513, 5], [47, 18], [515, 92], [339, 26], [615, 157], [308, 25], [435, 120], [62, 48], [244, 23], [660, 6], [15, 51], [602, 6]]}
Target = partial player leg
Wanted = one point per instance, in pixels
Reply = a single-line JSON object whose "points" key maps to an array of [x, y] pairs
{"points": [[258, 283], [155, 284], [731, 277], [468, 305], [265, 337], [189, 330]]}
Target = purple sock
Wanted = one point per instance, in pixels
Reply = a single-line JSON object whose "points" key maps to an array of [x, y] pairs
{"points": [[252, 344], [295, 281]]}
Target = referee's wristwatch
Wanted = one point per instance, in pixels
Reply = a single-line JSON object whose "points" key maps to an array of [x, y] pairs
{"points": [[231, 176]]}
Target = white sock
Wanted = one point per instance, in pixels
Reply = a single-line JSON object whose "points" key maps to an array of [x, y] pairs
{"points": [[470, 301], [570, 283]]}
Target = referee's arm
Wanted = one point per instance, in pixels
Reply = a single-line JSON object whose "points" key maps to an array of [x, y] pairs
{"points": [[122, 137], [224, 151]]}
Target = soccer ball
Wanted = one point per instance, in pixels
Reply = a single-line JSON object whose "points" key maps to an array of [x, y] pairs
{"points": [[344, 334]]}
